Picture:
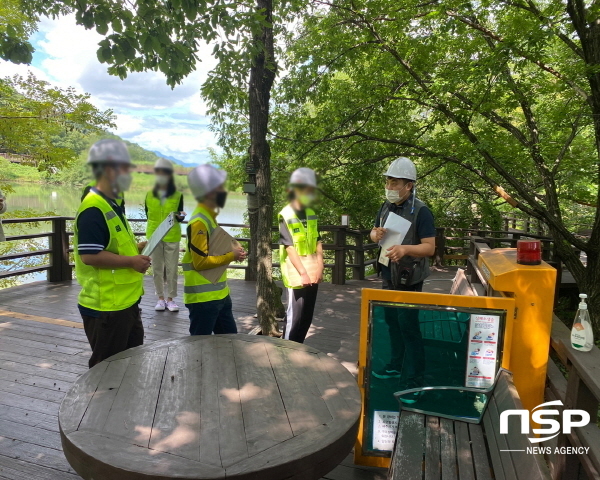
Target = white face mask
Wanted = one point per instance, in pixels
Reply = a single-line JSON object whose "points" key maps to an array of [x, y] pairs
{"points": [[392, 196], [162, 180]]}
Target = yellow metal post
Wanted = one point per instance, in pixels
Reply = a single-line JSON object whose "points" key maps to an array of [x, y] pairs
{"points": [[532, 288]]}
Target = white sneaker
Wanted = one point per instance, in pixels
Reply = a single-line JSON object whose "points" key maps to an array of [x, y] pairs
{"points": [[160, 306], [172, 306]]}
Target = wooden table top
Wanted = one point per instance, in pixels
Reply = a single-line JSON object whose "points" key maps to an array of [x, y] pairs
{"points": [[208, 407]]}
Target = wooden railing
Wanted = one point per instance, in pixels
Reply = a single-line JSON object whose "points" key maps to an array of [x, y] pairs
{"points": [[349, 252]]}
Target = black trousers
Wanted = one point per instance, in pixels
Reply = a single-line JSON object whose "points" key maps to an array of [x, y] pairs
{"points": [[406, 342], [113, 332], [300, 310]]}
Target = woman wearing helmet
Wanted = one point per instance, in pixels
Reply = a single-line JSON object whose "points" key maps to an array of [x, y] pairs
{"points": [[161, 201], [301, 254]]}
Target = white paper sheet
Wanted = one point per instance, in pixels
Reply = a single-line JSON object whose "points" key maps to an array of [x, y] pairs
{"points": [[159, 234], [396, 227]]}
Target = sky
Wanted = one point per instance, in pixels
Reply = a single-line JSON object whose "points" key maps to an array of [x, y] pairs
{"points": [[149, 113]]}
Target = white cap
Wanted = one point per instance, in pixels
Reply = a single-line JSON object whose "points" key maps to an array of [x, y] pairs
{"points": [[304, 176], [204, 179], [582, 304], [163, 164], [402, 168], [109, 151]]}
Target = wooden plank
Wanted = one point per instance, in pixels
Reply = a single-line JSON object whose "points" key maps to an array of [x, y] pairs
{"points": [[432, 448], [35, 454], [44, 363], [233, 446], [104, 396], [27, 433], [210, 429], [463, 451], [447, 450], [303, 403], [35, 370], [34, 380], [63, 345], [481, 463], [16, 469], [28, 417], [265, 420], [73, 407], [29, 403], [31, 391], [40, 319], [407, 458], [338, 390], [493, 445], [39, 353], [132, 412], [176, 427]]}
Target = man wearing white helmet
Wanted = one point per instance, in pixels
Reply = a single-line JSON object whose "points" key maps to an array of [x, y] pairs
{"points": [[209, 304], [408, 267], [300, 253], [108, 263]]}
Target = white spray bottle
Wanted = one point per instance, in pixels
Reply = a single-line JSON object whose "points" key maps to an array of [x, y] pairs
{"points": [[582, 335]]}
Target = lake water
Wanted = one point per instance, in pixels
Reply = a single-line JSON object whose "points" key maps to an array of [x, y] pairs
{"points": [[64, 201]]}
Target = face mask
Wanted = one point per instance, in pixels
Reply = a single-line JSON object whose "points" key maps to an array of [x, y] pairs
{"points": [[220, 199], [162, 180], [307, 199], [123, 182], [393, 196]]}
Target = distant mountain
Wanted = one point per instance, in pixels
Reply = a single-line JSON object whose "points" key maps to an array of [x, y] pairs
{"points": [[175, 160]]}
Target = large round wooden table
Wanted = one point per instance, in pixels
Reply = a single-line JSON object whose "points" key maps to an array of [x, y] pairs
{"points": [[208, 407]]}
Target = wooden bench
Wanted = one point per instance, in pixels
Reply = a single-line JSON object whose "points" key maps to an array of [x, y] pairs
{"points": [[430, 447]]}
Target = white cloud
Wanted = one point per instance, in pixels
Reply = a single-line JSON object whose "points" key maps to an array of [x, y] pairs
{"points": [[148, 111]]}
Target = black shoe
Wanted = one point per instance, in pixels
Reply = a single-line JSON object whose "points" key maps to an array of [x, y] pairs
{"points": [[410, 398], [386, 372]]}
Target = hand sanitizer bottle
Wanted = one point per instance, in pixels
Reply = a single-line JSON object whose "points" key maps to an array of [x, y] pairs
{"points": [[582, 336]]}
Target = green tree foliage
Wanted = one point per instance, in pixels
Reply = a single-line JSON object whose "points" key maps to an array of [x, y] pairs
{"points": [[37, 122], [494, 99]]}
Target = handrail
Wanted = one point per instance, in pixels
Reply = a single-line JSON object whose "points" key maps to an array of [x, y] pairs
{"points": [[351, 248]]}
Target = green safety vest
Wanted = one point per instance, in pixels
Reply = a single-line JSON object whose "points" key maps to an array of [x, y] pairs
{"points": [[305, 239], [196, 288], [119, 201], [158, 211], [108, 289]]}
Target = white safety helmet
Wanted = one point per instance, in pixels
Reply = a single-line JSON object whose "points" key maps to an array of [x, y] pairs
{"points": [[304, 176], [109, 151], [204, 179], [402, 167], [163, 164]]}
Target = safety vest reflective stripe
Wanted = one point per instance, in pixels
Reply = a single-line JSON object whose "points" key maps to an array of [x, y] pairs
{"points": [[208, 223], [205, 288], [110, 215], [303, 237], [196, 288]]}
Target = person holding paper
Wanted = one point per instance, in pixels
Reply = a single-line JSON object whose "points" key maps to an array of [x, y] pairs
{"points": [[209, 303], [300, 254], [404, 266], [161, 201], [108, 265]]}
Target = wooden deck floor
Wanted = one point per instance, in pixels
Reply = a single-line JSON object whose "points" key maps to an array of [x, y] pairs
{"points": [[43, 350]]}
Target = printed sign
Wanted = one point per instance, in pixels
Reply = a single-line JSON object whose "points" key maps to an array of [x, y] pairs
{"points": [[385, 425], [483, 350]]}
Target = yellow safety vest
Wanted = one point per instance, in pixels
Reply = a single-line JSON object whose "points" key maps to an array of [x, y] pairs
{"points": [[108, 289], [305, 239], [119, 200], [158, 211], [196, 288]]}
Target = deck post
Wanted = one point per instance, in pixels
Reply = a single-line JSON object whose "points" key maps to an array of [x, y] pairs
{"points": [[60, 268], [358, 272], [440, 246], [338, 276]]}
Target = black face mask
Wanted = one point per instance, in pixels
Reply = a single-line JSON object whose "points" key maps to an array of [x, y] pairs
{"points": [[220, 199]]}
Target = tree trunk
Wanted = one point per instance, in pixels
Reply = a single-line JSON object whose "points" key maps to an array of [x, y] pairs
{"points": [[262, 76]]}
